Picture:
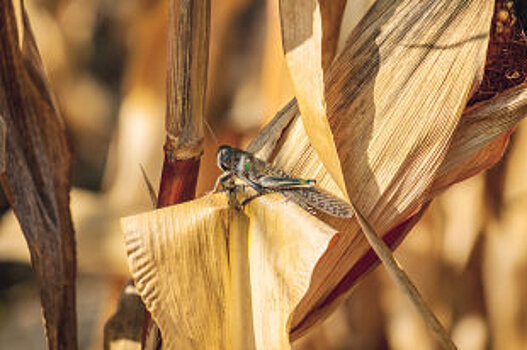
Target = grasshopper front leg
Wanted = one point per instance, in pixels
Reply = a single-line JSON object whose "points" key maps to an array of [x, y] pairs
{"points": [[221, 180], [226, 182]]}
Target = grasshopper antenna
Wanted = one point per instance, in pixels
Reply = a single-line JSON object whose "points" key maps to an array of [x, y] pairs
{"points": [[209, 129]]}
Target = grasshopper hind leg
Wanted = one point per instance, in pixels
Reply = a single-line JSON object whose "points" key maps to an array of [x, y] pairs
{"points": [[259, 192], [248, 199]]}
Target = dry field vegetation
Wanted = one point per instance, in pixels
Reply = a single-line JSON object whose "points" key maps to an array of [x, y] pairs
{"points": [[410, 110]]}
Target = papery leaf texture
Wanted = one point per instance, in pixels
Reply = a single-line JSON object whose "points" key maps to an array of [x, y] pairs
{"points": [[214, 277], [36, 178]]}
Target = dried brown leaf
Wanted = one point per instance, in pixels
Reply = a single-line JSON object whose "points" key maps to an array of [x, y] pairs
{"points": [[353, 13], [217, 278], [265, 142], [302, 35], [36, 177], [482, 136], [394, 99], [331, 12]]}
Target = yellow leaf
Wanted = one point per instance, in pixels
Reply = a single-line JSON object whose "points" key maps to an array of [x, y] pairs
{"points": [[302, 37], [217, 278], [394, 100]]}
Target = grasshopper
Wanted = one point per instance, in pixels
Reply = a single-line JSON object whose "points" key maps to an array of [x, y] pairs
{"points": [[265, 178]]}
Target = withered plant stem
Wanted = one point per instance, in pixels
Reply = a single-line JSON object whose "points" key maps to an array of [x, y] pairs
{"points": [[403, 281], [187, 63]]}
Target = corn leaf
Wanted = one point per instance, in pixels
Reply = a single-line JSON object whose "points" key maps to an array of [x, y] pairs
{"points": [[36, 175], [303, 35], [394, 99], [217, 278]]}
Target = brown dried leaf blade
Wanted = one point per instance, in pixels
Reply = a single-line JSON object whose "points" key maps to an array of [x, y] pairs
{"points": [[36, 176], [217, 278], [393, 98]]}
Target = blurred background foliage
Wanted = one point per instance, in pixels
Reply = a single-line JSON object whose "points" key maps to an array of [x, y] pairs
{"points": [[106, 63]]}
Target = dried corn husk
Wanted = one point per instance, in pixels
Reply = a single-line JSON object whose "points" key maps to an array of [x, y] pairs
{"points": [[217, 278], [394, 99]]}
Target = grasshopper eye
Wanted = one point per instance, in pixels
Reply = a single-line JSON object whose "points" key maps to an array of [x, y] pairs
{"points": [[224, 155], [222, 158]]}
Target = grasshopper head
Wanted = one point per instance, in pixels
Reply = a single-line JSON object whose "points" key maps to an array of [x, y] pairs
{"points": [[224, 158]]}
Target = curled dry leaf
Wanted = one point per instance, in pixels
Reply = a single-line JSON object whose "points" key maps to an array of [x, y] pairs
{"points": [[481, 137], [217, 278], [36, 175], [394, 102], [303, 38]]}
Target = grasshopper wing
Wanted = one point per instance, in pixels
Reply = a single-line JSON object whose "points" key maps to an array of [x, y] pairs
{"points": [[311, 198], [301, 192]]}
